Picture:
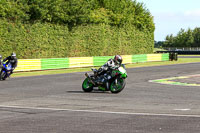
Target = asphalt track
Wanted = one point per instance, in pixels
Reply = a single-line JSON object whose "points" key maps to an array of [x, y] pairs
{"points": [[56, 104]]}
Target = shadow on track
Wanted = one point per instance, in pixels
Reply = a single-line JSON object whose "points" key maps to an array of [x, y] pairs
{"points": [[94, 91]]}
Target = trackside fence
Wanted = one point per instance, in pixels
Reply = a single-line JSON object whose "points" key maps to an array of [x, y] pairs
{"points": [[73, 62]]}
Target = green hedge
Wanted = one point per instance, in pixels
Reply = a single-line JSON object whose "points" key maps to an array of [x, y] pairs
{"points": [[44, 40]]}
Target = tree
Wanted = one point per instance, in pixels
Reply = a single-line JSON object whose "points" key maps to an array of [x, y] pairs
{"points": [[196, 35], [77, 12], [169, 41], [158, 44], [14, 10], [189, 38]]}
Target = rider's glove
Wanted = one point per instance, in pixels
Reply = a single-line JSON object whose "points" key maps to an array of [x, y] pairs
{"points": [[100, 70]]}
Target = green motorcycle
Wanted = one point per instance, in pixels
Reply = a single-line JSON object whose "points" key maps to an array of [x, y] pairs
{"points": [[115, 80]]}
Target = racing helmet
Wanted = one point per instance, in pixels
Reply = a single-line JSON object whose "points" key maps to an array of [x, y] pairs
{"points": [[118, 59], [13, 55]]}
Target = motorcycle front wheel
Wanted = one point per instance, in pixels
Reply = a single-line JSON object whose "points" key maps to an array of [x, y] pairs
{"points": [[87, 86], [3, 76], [116, 88]]}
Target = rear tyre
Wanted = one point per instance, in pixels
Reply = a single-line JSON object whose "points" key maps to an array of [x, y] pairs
{"points": [[116, 88], [87, 86]]}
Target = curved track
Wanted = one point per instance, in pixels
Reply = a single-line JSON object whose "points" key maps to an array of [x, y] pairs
{"points": [[56, 103]]}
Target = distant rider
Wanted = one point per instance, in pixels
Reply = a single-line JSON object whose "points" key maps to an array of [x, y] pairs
{"points": [[111, 64], [12, 59]]}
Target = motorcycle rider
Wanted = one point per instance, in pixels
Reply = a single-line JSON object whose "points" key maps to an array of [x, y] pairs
{"points": [[104, 71], [12, 59]]}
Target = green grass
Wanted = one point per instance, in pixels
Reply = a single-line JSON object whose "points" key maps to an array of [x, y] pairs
{"points": [[180, 61], [146, 64], [48, 72]]}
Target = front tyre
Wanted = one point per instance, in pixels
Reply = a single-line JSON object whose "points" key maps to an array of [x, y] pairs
{"points": [[87, 86], [116, 88], [2, 75]]}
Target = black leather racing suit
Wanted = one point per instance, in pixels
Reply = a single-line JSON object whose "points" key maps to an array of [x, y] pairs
{"points": [[11, 60], [104, 72]]}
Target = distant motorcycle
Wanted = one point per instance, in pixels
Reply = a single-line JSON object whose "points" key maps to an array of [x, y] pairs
{"points": [[5, 71], [115, 80]]}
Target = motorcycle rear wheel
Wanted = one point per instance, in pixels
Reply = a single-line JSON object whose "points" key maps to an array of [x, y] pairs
{"points": [[87, 86]]}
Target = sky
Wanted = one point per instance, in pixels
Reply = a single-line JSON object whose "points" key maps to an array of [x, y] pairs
{"points": [[172, 15]]}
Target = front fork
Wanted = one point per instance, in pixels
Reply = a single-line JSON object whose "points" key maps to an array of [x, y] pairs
{"points": [[108, 83], [116, 82], [5, 71], [86, 74]]}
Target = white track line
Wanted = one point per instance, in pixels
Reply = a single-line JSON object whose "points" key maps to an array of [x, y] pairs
{"points": [[94, 111]]}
